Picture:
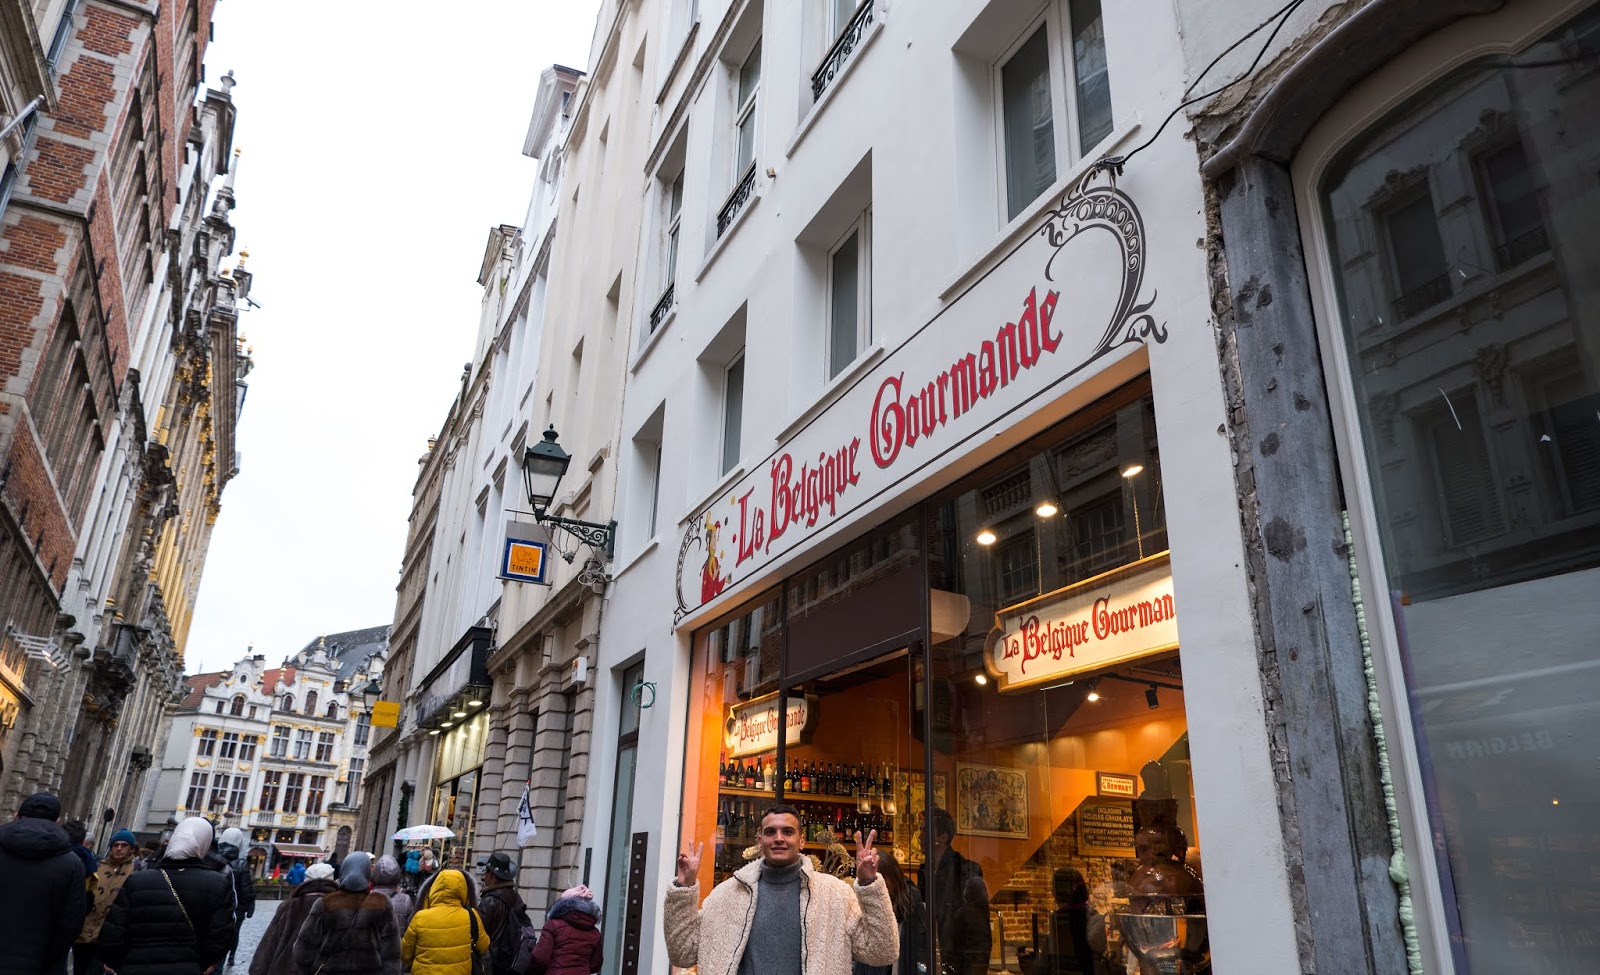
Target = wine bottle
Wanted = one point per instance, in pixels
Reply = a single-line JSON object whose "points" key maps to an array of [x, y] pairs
{"points": [[805, 780]]}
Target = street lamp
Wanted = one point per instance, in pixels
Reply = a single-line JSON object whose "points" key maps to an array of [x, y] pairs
{"points": [[371, 692], [543, 466]]}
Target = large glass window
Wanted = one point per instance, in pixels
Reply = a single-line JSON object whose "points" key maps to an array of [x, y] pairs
{"points": [[1061, 798], [1479, 407], [749, 87]]}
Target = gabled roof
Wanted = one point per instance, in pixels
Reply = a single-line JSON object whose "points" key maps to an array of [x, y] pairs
{"points": [[269, 679], [195, 687], [352, 648]]}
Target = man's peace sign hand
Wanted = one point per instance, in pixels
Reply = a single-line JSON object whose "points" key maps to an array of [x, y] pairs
{"points": [[866, 858], [689, 865]]}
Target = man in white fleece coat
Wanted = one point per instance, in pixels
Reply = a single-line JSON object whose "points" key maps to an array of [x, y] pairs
{"points": [[777, 915]]}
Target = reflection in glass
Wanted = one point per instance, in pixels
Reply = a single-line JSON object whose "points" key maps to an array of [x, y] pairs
{"points": [[1465, 252]]}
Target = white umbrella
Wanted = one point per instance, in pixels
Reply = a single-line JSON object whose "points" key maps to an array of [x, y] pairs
{"points": [[425, 832]]}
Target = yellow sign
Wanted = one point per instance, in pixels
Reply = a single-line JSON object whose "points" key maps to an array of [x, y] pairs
{"points": [[386, 714], [525, 560]]}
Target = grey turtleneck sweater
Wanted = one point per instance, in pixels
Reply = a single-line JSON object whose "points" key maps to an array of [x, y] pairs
{"points": [[774, 945]]}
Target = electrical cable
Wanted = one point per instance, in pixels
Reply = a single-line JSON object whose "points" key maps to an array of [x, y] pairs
{"points": [[1115, 163]]}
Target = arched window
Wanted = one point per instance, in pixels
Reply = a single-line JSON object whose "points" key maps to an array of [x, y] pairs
{"points": [[288, 702], [311, 702], [1458, 282], [333, 709], [238, 705]]}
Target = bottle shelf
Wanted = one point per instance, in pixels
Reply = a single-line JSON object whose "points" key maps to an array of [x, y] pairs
{"points": [[729, 790]]}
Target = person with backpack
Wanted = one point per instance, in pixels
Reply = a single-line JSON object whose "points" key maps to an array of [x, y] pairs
{"points": [[447, 934], [386, 881], [570, 943], [232, 847], [503, 912]]}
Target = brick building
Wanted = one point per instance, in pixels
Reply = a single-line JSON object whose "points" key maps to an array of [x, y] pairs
{"points": [[121, 376]]}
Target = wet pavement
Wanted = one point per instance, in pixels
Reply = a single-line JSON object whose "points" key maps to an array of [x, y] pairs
{"points": [[254, 928]]}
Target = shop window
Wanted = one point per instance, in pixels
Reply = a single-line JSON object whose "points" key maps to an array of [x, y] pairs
{"points": [[1478, 446], [1051, 768]]}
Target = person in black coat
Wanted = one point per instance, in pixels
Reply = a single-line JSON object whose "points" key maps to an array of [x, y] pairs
{"points": [[231, 847], [350, 931], [42, 905], [175, 918]]}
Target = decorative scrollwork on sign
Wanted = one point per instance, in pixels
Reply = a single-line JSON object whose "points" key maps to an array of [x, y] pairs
{"points": [[690, 540], [1109, 210]]}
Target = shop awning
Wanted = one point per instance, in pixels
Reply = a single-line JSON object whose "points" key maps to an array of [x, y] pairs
{"points": [[299, 850]]}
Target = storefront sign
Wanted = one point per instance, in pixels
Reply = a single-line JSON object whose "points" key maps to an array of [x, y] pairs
{"points": [[1022, 330], [753, 728], [1110, 619], [1105, 828], [386, 714], [525, 556], [1114, 784]]}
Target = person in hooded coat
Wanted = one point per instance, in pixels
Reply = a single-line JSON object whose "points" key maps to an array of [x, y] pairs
{"points": [[175, 918], [352, 930], [386, 877], [570, 943], [114, 871], [297, 874], [232, 848], [41, 900], [275, 952], [439, 940]]}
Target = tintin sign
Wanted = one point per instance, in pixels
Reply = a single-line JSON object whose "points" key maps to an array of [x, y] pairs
{"points": [[753, 728], [1111, 619], [526, 554]]}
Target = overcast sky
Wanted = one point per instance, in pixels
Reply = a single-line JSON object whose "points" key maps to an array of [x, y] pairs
{"points": [[381, 142]]}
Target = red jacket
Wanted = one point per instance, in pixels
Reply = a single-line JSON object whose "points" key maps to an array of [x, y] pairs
{"points": [[570, 941]]}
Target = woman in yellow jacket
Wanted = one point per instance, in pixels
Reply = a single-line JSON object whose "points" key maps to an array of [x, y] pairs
{"points": [[439, 939]]}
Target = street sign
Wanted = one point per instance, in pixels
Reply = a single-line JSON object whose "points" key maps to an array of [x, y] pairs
{"points": [[526, 555]]}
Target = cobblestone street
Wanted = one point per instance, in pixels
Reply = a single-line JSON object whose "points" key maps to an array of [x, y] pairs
{"points": [[254, 928]]}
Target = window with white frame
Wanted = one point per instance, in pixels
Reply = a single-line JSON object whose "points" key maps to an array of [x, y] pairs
{"points": [[1031, 90], [745, 114], [302, 744], [655, 487], [840, 13], [237, 795], [674, 225], [196, 798], [324, 746], [208, 743], [849, 297], [230, 745], [280, 741], [247, 749], [732, 412], [292, 791], [271, 782]]}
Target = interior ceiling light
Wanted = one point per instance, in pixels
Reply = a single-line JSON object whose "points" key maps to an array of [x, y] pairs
{"points": [[1152, 698], [1047, 509], [1094, 690], [444, 724], [1133, 470], [981, 679], [474, 704], [458, 714], [986, 537], [433, 731]]}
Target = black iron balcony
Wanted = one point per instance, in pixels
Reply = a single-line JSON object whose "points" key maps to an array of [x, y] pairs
{"points": [[1521, 247], [1424, 296], [839, 54], [736, 200], [658, 314]]}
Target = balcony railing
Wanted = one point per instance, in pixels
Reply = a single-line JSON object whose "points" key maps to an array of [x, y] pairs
{"points": [[1520, 248], [736, 200], [658, 314], [839, 54], [1422, 297]]}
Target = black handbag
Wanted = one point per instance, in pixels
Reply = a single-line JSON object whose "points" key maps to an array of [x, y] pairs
{"points": [[478, 966]]}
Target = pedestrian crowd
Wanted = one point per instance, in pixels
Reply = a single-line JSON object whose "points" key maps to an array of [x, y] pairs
{"points": [[176, 908]]}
